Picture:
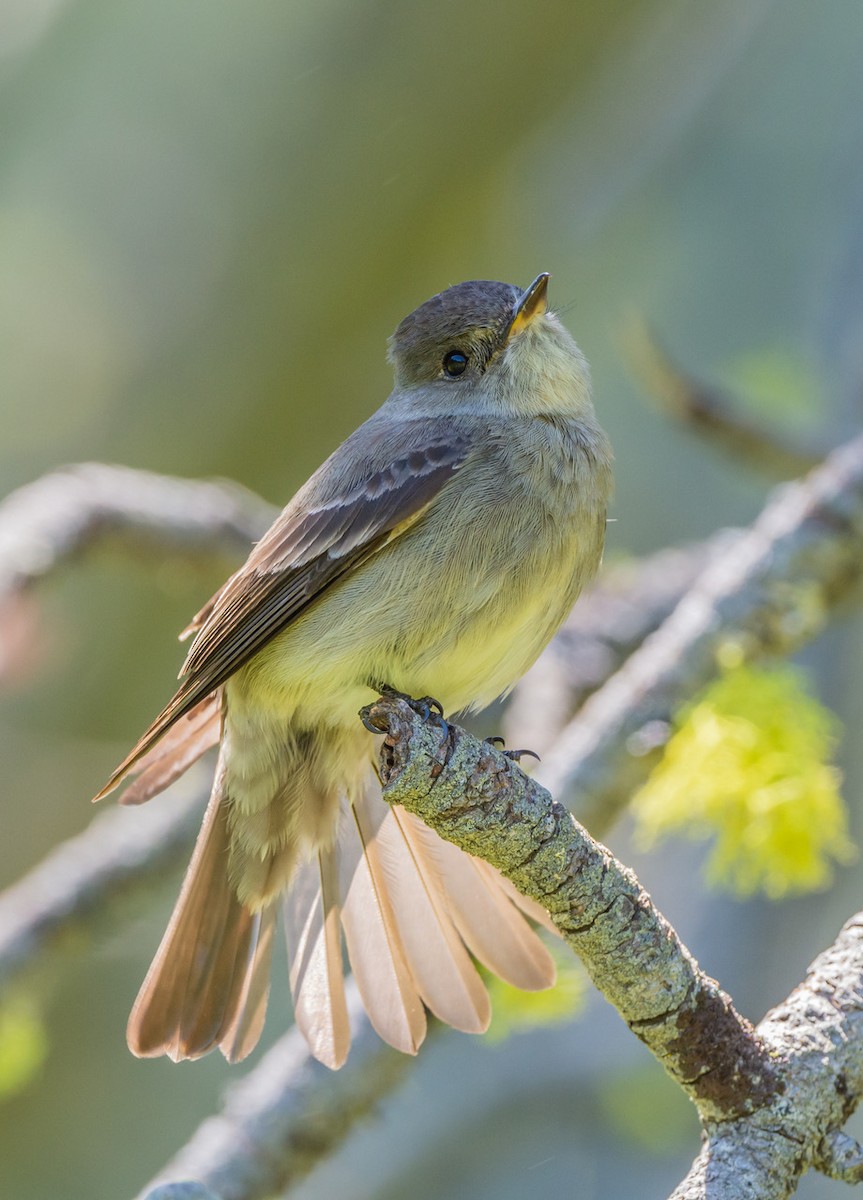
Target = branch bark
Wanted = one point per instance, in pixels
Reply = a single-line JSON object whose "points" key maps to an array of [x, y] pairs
{"points": [[772, 1100], [478, 798], [817, 1037]]}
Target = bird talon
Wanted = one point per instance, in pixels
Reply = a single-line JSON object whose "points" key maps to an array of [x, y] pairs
{"points": [[365, 715], [517, 755], [495, 740]]}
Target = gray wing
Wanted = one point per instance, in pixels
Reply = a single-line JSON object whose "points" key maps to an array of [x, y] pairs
{"points": [[325, 532]]}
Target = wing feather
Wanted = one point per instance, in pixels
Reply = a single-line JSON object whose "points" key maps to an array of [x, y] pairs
{"points": [[328, 530], [184, 744]]}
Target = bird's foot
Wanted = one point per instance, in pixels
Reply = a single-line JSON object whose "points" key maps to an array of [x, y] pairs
{"points": [[423, 706], [514, 755]]}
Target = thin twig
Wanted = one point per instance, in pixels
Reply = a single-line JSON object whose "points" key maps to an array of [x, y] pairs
{"points": [[49, 521], [713, 414]]}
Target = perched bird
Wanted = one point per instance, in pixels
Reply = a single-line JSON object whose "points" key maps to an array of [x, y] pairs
{"points": [[435, 553]]}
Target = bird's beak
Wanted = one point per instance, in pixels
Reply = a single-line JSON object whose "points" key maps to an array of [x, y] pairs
{"points": [[532, 303]]}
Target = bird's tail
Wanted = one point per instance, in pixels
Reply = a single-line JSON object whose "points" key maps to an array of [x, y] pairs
{"points": [[209, 981], [414, 911]]}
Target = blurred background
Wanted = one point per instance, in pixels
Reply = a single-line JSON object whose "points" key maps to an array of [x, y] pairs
{"points": [[212, 214]]}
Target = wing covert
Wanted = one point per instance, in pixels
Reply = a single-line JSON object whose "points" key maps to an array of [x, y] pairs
{"points": [[325, 532]]}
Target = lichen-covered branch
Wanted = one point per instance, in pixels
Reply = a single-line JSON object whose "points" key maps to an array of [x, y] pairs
{"points": [[775, 589], [816, 1036], [288, 1114], [475, 796], [772, 1100]]}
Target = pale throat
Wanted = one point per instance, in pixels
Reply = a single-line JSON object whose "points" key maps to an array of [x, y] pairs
{"points": [[542, 371]]}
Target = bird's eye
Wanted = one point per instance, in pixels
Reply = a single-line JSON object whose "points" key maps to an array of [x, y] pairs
{"points": [[455, 363]]}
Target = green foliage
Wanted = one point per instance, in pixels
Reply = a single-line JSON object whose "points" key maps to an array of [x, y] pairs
{"points": [[749, 766], [515, 1011], [23, 1044]]}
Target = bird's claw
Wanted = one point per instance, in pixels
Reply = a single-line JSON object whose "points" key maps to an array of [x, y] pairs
{"points": [[513, 755], [517, 755]]}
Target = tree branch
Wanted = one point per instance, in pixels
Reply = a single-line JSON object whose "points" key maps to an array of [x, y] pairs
{"points": [[51, 520], [288, 1114], [79, 883], [817, 1036], [713, 414], [775, 589], [476, 797], [770, 1099]]}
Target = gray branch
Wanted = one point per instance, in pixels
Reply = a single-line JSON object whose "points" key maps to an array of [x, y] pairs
{"points": [[287, 1114], [476, 797], [55, 518], [775, 589], [772, 1100], [81, 882], [817, 1037]]}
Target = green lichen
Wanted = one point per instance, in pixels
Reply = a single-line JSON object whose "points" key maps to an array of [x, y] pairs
{"points": [[749, 766]]}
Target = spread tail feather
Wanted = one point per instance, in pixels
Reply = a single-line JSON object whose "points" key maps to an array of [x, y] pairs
{"points": [[442, 970], [413, 909], [529, 907], [311, 909], [377, 959], [209, 981], [482, 905]]}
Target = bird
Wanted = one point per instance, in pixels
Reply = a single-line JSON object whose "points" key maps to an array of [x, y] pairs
{"points": [[435, 553]]}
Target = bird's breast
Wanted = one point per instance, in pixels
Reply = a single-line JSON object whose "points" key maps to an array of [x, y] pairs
{"points": [[460, 605]]}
